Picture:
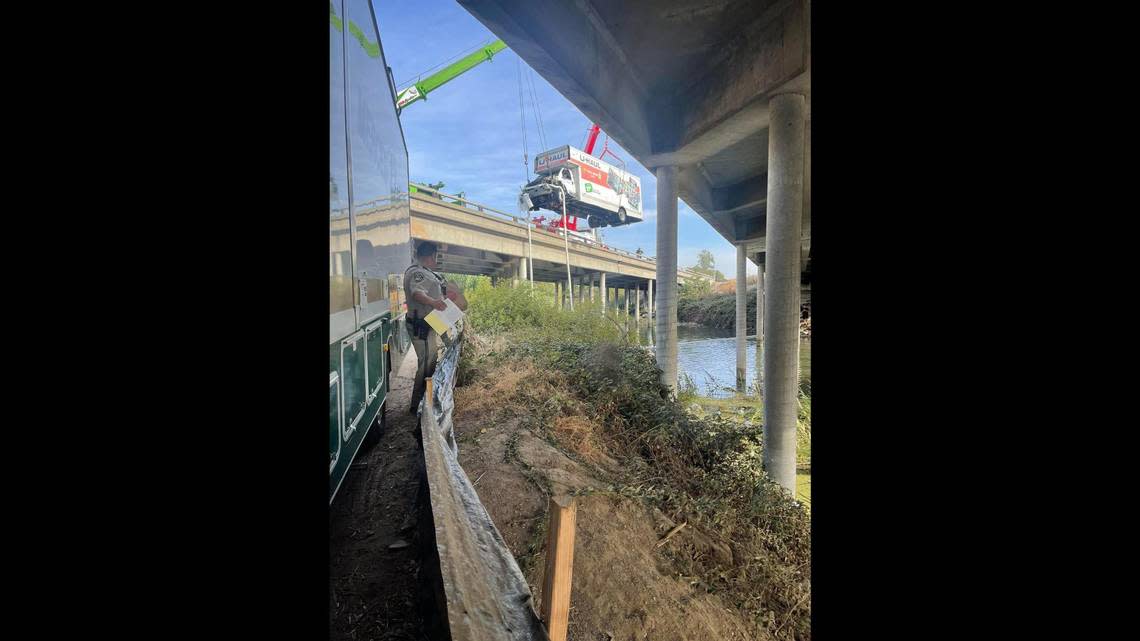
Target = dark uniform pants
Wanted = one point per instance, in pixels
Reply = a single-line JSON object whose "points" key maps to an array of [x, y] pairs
{"points": [[427, 354]]}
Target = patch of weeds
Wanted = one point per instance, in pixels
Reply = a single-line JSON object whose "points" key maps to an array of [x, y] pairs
{"points": [[536, 542]]}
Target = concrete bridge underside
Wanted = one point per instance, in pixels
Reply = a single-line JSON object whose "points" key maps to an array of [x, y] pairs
{"points": [[715, 98]]}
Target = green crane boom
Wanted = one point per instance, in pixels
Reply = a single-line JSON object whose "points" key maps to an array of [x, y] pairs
{"points": [[421, 89]]}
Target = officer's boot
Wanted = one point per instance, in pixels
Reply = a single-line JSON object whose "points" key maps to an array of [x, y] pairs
{"points": [[418, 390]]}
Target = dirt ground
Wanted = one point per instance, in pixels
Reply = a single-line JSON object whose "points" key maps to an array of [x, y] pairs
{"points": [[373, 566], [624, 586]]}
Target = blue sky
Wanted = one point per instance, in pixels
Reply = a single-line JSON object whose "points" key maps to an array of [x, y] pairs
{"points": [[469, 135]]}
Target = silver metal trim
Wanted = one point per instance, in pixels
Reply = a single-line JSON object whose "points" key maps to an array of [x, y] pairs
{"points": [[334, 379], [375, 309], [341, 324], [348, 157]]}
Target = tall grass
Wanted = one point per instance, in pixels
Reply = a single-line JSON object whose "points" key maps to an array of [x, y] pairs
{"points": [[533, 314]]}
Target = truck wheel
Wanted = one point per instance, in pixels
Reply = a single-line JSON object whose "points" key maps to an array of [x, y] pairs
{"points": [[595, 222], [621, 215]]}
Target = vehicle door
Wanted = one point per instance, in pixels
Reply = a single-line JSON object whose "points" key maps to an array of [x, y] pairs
{"points": [[567, 177]]}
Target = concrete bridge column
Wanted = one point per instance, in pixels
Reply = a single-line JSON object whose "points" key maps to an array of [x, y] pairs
{"points": [[666, 327], [782, 316], [591, 288], [520, 270], [760, 320], [637, 308], [741, 318], [649, 300], [625, 302], [605, 297]]}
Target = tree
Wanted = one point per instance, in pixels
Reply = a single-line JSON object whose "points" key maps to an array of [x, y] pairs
{"points": [[705, 260], [706, 264]]}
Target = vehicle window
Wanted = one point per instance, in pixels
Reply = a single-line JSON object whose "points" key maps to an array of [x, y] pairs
{"points": [[340, 245], [379, 167]]}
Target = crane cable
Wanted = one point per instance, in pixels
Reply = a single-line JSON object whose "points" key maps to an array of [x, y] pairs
{"points": [[522, 121], [537, 109], [526, 178]]}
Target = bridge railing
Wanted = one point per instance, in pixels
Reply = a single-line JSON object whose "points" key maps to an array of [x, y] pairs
{"points": [[521, 222]]}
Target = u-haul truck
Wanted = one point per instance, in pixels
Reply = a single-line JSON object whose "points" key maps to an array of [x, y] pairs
{"points": [[597, 191]]}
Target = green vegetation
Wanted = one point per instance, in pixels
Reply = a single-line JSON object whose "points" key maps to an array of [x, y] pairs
{"points": [[693, 289], [697, 460], [745, 411], [706, 264], [715, 310]]}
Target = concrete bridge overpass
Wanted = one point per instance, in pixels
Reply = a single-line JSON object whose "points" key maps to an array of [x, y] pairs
{"points": [[714, 98], [477, 239]]}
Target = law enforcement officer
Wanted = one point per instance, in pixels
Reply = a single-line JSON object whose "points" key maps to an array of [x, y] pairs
{"points": [[426, 290]]}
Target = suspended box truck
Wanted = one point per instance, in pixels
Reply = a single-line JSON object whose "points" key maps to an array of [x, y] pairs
{"points": [[595, 190]]}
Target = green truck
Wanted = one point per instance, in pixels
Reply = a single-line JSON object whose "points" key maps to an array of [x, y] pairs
{"points": [[370, 242]]}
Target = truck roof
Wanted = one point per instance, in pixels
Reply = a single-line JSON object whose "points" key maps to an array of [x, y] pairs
{"points": [[561, 156]]}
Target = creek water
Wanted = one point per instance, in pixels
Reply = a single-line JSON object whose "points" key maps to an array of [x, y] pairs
{"points": [[707, 355]]}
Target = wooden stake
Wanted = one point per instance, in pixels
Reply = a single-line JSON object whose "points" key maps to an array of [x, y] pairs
{"points": [[559, 566]]}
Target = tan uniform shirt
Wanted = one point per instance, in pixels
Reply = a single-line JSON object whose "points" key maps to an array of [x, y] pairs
{"points": [[421, 279]]}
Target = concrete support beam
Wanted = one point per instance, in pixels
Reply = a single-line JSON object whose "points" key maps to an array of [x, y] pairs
{"points": [[649, 299], [741, 319], [637, 309], [781, 321], [760, 320], [767, 53], [805, 225], [603, 292], [666, 326]]}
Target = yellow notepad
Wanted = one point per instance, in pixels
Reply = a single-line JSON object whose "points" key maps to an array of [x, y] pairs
{"points": [[443, 321]]}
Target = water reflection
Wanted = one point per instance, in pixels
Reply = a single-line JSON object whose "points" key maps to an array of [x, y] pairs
{"points": [[708, 356]]}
